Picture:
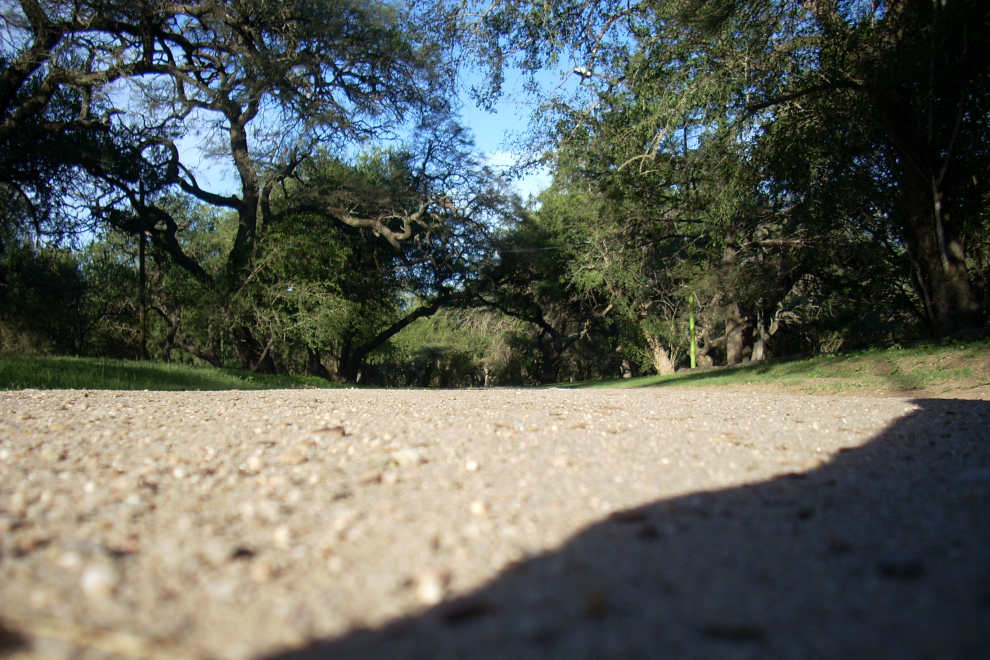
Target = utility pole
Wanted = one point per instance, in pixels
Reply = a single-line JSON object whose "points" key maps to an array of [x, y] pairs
{"points": [[694, 343], [142, 295]]}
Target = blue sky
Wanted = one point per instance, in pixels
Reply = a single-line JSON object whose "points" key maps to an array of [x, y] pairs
{"points": [[494, 131]]}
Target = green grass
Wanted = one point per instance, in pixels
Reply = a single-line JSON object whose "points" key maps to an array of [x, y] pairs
{"points": [[45, 373], [895, 369], [933, 367]]}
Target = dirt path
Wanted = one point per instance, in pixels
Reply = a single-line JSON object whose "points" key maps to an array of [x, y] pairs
{"points": [[493, 524]]}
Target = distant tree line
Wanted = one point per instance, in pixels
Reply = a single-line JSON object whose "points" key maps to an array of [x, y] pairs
{"points": [[812, 174]]}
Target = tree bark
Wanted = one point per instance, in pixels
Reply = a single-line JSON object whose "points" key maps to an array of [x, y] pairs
{"points": [[255, 356], [174, 320], [738, 340], [316, 367], [735, 335], [201, 354], [661, 358], [934, 236]]}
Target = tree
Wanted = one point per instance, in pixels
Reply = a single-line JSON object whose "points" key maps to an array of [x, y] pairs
{"points": [[687, 92]]}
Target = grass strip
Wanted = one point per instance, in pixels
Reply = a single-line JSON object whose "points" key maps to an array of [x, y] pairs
{"points": [[896, 369], [47, 372]]}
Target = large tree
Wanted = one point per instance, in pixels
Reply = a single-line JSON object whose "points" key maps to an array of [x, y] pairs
{"points": [[259, 86], [691, 90]]}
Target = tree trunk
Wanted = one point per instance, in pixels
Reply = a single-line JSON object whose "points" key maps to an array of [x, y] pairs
{"points": [[738, 336], [661, 359], [738, 341], [142, 299], [934, 236], [552, 347], [316, 367], [351, 361], [174, 319], [760, 352], [255, 356], [202, 355]]}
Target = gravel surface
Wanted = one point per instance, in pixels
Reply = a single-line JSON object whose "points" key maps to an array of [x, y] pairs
{"points": [[493, 524]]}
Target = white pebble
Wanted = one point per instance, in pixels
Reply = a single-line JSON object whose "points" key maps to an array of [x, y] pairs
{"points": [[478, 508], [407, 457], [471, 466], [429, 586], [282, 536], [69, 559], [98, 581]]}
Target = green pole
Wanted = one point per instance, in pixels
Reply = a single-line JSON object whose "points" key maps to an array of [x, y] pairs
{"points": [[694, 346]]}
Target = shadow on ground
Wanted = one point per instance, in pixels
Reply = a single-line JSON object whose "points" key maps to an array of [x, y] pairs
{"points": [[882, 553]]}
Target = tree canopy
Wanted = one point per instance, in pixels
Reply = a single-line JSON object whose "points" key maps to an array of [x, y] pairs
{"points": [[812, 175]]}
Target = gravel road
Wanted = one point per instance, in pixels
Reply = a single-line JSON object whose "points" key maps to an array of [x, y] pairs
{"points": [[493, 524]]}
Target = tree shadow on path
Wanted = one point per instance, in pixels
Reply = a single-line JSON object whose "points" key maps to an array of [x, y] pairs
{"points": [[882, 553]]}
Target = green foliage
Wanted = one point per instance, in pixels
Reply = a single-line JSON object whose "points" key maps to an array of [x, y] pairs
{"points": [[813, 174], [800, 149], [55, 300], [43, 299], [460, 348]]}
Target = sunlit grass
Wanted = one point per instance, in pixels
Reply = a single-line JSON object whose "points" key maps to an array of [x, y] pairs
{"points": [[44, 372], [895, 369]]}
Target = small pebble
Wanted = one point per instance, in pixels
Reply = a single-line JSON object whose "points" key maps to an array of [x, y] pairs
{"points": [[408, 457], [292, 458], [478, 508], [429, 586], [261, 571], [331, 431], [471, 466], [123, 483], [98, 581], [69, 559], [371, 477], [282, 536], [50, 455]]}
